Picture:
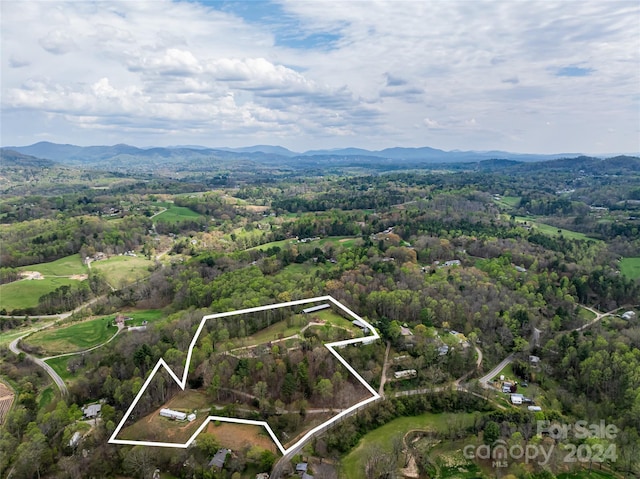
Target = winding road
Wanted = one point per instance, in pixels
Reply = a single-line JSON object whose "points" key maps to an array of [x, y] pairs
{"points": [[13, 346]]}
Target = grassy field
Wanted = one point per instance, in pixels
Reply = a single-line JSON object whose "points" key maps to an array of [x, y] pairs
{"points": [[75, 337], [67, 266], [275, 331], [383, 437], [122, 270], [139, 317], [508, 202], [279, 244], [586, 315], [346, 241], [175, 214], [552, 230], [630, 267], [59, 365], [25, 293]]}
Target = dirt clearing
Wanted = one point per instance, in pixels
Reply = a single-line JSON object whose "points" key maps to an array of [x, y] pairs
{"points": [[239, 436]]}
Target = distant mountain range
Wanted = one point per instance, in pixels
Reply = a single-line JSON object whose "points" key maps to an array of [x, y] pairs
{"points": [[126, 158], [72, 153]]}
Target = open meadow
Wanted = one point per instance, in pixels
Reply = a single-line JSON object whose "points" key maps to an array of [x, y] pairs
{"points": [[120, 271], [75, 337], [630, 267], [353, 464], [26, 292], [552, 230], [46, 277], [175, 214], [67, 266]]}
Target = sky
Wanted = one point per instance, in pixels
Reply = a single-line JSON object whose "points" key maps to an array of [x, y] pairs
{"points": [[536, 77]]}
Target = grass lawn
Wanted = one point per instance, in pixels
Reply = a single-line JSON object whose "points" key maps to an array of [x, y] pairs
{"points": [[630, 267], [175, 214], [552, 230], [586, 315], [62, 267], [508, 201], [59, 365], [353, 463], [122, 270], [333, 318], [25, 293], [75, 337], [275, 331], [507, 372], [139, 316], [279, 244], [346, 241], [27, 325]]}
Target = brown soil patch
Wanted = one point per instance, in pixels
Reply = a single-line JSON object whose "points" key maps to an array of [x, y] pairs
{"points": [[31, 275], [344, 240], [6, 399], [239, 436], [256, 208], [79, 277]]}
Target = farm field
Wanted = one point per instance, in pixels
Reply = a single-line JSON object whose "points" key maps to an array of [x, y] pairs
{"points": [[175, 214], [122, 270], [383, 437], [509, 201], [67, 266], [630, 267], [26, 292], [75, 337], [552, 230], [239, 436], [6, 399]]}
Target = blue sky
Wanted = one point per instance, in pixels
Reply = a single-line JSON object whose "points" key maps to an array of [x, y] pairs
{"points": [[541, 76]]}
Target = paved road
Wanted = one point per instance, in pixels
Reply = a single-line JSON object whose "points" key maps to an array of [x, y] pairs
{"points": [[13, 346], [491, 374]]}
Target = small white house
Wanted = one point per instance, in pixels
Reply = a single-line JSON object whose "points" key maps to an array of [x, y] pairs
{"points": [[171, 414], [191, 417], [516, 399], [534, 408], [628, 315]]}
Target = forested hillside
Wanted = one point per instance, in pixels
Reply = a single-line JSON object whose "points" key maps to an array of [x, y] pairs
{"points": [[512, 258]]}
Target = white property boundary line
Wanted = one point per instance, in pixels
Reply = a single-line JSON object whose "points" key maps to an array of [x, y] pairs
{"points": [[182, 382]]}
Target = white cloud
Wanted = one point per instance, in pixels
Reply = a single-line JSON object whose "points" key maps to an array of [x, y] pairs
{"points": [[158, 65], [429, 123], [58, 42]]}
